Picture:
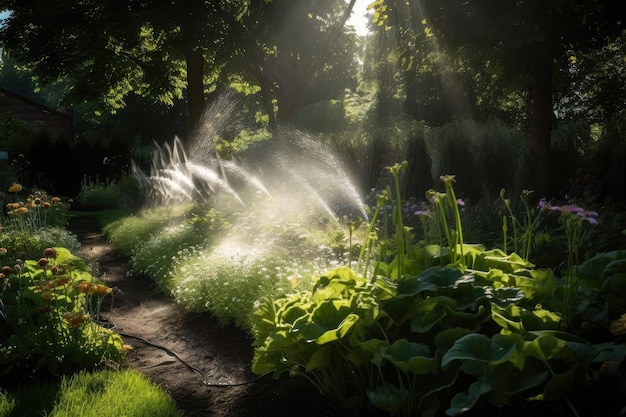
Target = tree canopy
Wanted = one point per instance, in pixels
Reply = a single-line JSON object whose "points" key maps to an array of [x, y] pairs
{"points": [[178, 49], [528, 38]]}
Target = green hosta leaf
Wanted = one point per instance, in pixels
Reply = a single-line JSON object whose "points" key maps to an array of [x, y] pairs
{"points": [[446, 338], [320, 333], [463, 402], [470, 321], [410, 357], [508, 379], [411, 285], [478, 347], [546, 347], [385, 288], [599, 267], [367, 351], [504, 296], [498, 259], [559, 386], [441, 277], [321, 358], [431, 311], [293, 313], [609, 351], [518, 319], [388, 397]]}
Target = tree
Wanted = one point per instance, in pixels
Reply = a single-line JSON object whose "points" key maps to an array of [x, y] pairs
{"points": [[166, 49], [526, 37]]}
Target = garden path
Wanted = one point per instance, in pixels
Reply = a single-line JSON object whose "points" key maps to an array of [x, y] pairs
{"points": [[188, 354]]}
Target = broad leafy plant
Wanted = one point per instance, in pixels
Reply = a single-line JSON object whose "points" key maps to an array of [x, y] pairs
{"points": [[443, 328]]}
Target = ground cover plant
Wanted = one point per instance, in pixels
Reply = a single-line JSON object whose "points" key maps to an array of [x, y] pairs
{"points": [[225, 263]]}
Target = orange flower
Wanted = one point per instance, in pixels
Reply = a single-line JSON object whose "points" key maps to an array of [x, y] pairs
{"points": [[44, 309], [13, 206], [15, 188], [75, 318], [46, 205], [61, 281], [100, 290], [84, 287]]}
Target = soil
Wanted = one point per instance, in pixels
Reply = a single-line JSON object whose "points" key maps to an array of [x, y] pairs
{"points": [[202, 365]]}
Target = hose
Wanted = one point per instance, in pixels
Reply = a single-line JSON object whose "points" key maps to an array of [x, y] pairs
{"points": [[192, 368]]}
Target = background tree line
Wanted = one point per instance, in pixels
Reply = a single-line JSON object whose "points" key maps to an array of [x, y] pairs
{"points": [[524, 95]]}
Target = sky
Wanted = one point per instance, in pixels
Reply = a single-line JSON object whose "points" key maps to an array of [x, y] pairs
{"points": [[358, 18]]}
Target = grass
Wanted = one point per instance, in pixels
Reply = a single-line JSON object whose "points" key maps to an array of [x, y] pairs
{"points": [[107, 393]]}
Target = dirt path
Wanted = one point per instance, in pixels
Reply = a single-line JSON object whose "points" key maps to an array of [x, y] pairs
{"points": [[218, 355]]}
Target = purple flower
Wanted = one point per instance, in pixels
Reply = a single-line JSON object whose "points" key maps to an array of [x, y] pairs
{"points": [[422, 213], [460, 202]]}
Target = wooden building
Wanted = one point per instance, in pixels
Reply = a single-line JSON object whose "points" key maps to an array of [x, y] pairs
{"points": [[59, 126]]}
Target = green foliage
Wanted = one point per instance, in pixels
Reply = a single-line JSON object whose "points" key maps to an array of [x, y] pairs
{"points": [[33, 222], [191, 254], [91, 394], [97, 195], [444, 328], [17, 136], [47, 308]]}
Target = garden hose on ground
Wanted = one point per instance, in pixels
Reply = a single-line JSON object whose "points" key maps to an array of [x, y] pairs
{"points": [[192, 368]]}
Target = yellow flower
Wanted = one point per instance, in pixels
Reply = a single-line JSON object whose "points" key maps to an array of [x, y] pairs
{"points": [[15, 188]]}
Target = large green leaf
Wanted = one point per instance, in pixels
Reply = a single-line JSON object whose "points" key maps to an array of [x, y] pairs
{"points": [[559, 386], [463, 402], [547, 346], [388, 397], [508, 379], [478, 347], [410, 357], [430, 312]]}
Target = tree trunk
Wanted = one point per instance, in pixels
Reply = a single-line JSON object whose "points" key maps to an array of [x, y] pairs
{"points": [[195, 94], [542, 115]]}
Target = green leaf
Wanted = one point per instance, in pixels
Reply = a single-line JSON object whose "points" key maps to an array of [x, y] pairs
{"points": [[545, 347], [388, 397], [409, 356], [478, 347], [319, 358], [430, 312], [504, 296], [463, 402], [411, 285], [509, 380], [559, 386], [446, 338]]}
